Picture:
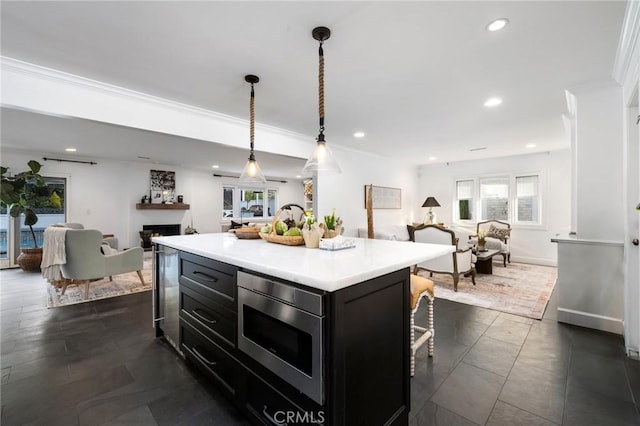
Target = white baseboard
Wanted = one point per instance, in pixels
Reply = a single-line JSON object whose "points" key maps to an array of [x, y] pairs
{"points": [[532, 260], [585, 319]]}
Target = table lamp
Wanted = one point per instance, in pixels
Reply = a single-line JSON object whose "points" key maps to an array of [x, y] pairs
{"points": [[430, 217]]}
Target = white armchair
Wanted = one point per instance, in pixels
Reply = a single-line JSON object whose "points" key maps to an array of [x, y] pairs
{"points": [[497, 234], [458, 263]]}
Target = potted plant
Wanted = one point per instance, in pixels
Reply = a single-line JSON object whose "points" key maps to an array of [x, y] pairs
{"points": [[482, 240], [16, 195], [332, 225], [311, 232]]}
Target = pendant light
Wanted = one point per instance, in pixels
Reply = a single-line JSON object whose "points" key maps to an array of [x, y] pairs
{"points": [[322, 160], [252, 173]]}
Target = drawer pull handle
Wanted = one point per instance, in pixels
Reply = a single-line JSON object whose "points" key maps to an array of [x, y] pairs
{"points": [[207, 277], [271, 418], [202, 317], [203, 358]]}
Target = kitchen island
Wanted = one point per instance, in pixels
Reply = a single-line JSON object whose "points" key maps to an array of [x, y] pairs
{"points": [[295, 335]]}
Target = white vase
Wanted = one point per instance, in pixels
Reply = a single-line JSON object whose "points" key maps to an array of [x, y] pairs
{"points": [[312, 237]]}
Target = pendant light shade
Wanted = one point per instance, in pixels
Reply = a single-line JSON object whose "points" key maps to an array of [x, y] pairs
{"points": [[321, 160], [252, 174]]}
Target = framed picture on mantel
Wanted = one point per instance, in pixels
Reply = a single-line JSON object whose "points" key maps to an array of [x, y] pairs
{"points": [[163, 186], [384, 197]]}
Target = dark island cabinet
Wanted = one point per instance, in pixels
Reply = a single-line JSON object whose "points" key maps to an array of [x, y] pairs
{"points": [[365, 350]]}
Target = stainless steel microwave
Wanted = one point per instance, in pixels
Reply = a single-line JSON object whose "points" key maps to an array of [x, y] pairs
{"points": [[281, 327]]}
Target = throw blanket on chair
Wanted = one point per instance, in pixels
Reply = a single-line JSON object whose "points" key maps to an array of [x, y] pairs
{"points": [[53, 253]]}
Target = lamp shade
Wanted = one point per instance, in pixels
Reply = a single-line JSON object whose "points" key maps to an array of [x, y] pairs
{"points": [[252, 173], [321, 161], [431, 202]]}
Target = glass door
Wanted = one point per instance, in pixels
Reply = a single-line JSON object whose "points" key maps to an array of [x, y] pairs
{"points": [[7, 246], [49, 203]]}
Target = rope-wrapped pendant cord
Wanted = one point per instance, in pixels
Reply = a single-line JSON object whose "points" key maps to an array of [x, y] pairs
{"points": [[321, 88], [252, 118]]}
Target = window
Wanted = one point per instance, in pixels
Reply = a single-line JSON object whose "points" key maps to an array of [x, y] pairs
{"points": [[227, 202], [272, 202], [494, 198], [464, 196], [513, 198], [527, 206], [251, 203], [246, 203]]}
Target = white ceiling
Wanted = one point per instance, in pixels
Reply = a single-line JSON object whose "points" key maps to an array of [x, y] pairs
{"points": [[412, 75]]}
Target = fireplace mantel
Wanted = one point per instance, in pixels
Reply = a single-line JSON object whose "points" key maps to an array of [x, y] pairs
{"points": [[175, 206]]}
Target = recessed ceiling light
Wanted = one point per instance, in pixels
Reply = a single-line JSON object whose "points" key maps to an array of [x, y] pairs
{"points": [[491, 102], [298, 176], [70, 149], [433, 158], [530, 145], [358, 135], [215, 166], [497, 24]]}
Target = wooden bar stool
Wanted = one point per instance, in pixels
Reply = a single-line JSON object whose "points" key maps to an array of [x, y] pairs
{"points": [[421, 287]]}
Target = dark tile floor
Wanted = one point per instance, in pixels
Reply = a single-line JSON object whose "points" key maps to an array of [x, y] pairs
{"points": [[98, 363]]}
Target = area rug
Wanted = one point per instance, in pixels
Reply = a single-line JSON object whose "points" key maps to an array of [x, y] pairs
{"points": [[519, 289], [121, 285]]}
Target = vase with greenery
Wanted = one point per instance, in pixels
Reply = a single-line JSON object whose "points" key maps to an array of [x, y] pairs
{"points": [[17, 194], [482, 240], [332, 225], [311, 231]]}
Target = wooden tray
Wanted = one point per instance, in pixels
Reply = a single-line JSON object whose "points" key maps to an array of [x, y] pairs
{"points": [[247, 233]]}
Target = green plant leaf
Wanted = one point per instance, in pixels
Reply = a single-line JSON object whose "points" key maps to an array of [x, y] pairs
{"points": [[15, 209], [30, 218], [34, 166]]}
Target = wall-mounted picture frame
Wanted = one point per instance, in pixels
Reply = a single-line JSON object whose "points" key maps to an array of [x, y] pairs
{"points": [[163, 186], [384, 197]]}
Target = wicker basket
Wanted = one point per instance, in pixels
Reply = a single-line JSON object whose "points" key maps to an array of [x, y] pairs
{"points": [[272, 237]]}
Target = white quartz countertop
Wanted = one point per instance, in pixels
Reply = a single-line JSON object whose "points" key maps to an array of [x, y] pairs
{"points": [[321, 269]]}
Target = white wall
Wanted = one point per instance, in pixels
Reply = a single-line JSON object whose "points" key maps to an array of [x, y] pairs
{"points": [[599, 164], [345, 192], [104, 196], [531, 245]]}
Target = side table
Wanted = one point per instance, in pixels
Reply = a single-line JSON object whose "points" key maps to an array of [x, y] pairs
{"points": [[484, 262]]}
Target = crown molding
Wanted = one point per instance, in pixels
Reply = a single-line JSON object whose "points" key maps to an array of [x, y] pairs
{"points": [[590, 87], [41, 73], [625, 59]]}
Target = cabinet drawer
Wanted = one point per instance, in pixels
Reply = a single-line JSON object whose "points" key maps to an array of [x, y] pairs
{"points": [[210, 358], [213, 279], [270, 407], [211, 319]]}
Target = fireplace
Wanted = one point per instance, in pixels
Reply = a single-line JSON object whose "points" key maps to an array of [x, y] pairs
{"points": [[149, 231]]}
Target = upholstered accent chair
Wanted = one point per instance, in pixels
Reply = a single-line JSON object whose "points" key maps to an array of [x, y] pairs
{"points": [[85, 261], [498, 234], [111, 241], [458, 263]]}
